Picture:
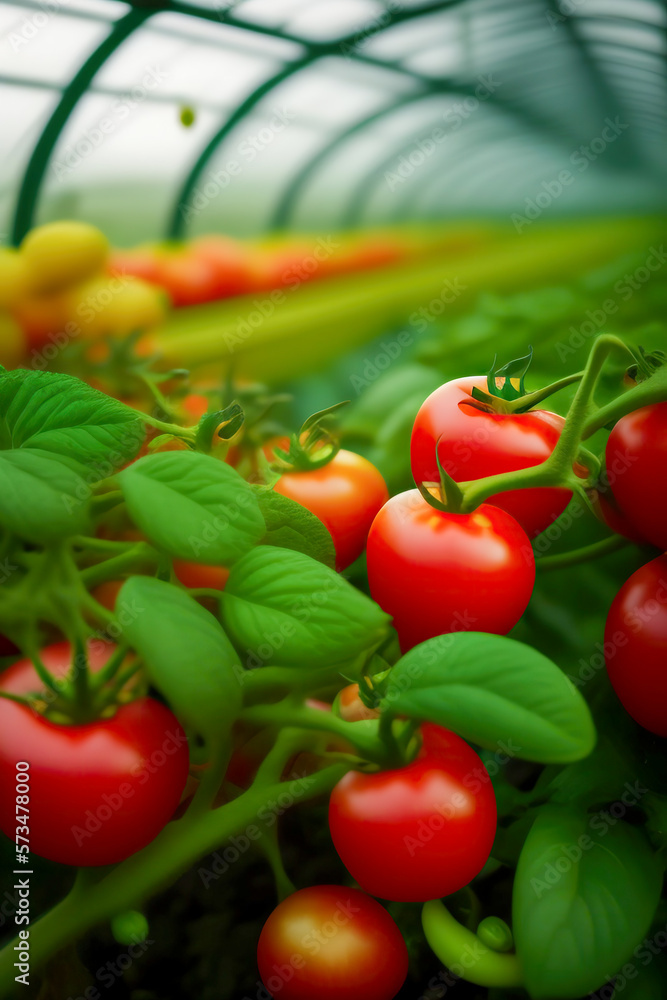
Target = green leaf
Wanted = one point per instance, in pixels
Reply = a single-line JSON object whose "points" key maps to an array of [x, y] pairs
{"points": [[41, 499], [64, 417], [585, 892], [284, 608], [289, 525], [492, 689], [187, 654], [193, 506]]}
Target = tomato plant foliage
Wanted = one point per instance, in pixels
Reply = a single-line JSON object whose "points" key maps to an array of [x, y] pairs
{"points": [[498, 771], [487, 685]]}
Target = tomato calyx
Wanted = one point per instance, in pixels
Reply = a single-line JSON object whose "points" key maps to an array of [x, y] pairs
{"points": [[221, 425], [312, 447], [86, 693], [506, 392], [505, 383], [446, 495]]}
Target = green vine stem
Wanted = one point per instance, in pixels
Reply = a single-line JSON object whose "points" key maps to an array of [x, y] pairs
{"points": [[653, 390], [463, 952], [132, 882], [587, 552], [363, 735], [557, 469], [140, 556]]}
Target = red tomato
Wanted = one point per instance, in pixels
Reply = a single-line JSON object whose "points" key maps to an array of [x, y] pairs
{"points": [[474, 442], [636, 462], [99, 791], [141, 261], [331, 943], [196, 575], [234, 263], [345, 495], [107, 593], [190, 280], [422, 831], [636, 645], [606, 509], [437, 572], [210, 268], [195, 405]]}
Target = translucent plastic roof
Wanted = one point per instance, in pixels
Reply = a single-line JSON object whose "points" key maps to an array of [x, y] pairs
{"points": [[325, 112]]}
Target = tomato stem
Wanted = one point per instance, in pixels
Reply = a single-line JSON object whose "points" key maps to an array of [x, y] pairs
{"points": [[141, 555], [556, 470], [584, 554], [363, 735], [173, 851], [530, 399], [453, 943], [653, 390]]}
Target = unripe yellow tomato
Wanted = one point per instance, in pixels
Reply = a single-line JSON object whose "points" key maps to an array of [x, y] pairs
{"points": [[12, 342], [117, 305], [61, 254], [12, 277]]}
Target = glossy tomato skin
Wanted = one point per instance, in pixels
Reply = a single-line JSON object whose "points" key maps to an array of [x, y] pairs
{"points": [[636, 460], [636, 645], [606, 509], [419, 832], [437, 572], [475, 442], [329, 942], [99, 792], [345, 495]]}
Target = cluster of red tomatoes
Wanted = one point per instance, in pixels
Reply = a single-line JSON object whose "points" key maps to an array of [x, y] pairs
{"points": [[411, 833], [424, 830], [209, 268], [635, 641]]}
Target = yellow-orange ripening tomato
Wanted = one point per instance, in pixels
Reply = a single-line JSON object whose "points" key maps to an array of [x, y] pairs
{"points": [[61, 254], [12, 277], [345, 494], [349, 706], [117, 305], [12, 342]]}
